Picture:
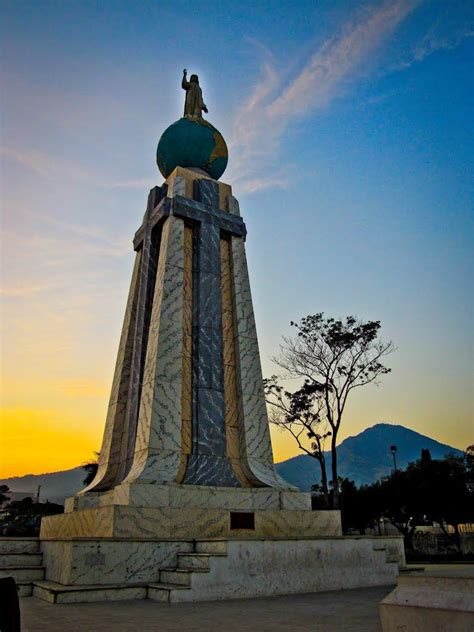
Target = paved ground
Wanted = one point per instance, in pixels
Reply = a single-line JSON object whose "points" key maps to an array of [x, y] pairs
{"points": [[338, 611]]}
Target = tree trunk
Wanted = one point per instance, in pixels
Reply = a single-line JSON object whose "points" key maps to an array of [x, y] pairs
{"points": [[324, 482], [335, 482]]}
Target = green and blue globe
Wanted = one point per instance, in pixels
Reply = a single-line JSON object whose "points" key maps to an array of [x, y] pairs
{"points": [[192, 143]]}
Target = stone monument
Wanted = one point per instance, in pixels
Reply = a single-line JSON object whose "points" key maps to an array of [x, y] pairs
{"points": [[186, 456]]}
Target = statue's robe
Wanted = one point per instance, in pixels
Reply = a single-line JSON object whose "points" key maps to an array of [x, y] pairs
{"points": [[194, 104]]}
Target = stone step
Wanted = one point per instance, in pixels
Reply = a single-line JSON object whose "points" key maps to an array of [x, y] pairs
{"points": [[25, 589], [163, 592], [58, 593], [438, 581], [9, 560], [23, 573], [194, 560], [211, 546], [19, 545], [180, 576]]}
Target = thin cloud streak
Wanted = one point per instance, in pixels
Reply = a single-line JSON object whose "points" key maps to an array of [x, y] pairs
{"points": [[271, 108], [433, 42], [46, 166], [32, 161], [130, 184], [25, 291]]}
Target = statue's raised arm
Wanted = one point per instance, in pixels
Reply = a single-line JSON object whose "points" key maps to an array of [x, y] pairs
{"points": [[194, 106]]}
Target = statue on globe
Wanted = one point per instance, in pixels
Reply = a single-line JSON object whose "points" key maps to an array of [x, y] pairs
{"points": [[194, 106]]}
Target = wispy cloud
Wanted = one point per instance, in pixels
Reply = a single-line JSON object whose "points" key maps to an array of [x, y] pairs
{"points": [[47, 166], [22, 291], [140, 183], [32, 160], [274, 105], [433, 41]]}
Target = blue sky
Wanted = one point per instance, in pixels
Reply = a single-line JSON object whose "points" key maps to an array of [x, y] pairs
{"points": [[349, 126]]}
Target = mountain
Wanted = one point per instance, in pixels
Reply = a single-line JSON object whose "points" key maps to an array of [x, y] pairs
{"points": [[363, 459], [366, 457], [55, 486]]}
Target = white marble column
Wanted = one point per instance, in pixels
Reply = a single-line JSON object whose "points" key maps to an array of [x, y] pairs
{"points": [[255, 442], [158, 441]]}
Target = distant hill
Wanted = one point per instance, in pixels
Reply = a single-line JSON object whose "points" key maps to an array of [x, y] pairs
{"points": [[366, 457], [363, 458], [55, 486]]}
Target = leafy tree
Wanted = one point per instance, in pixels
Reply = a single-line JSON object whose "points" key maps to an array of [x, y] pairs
{"points": [[332, 357], [4, 494], [444, 491], [91, 470], [428, 490], [360, 507], [23, 517]]}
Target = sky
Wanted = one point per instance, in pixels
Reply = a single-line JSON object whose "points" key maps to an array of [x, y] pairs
{"points": [[349, 126]]}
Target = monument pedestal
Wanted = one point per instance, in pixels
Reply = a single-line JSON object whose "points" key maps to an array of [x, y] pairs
{"points": [[194, 512]]}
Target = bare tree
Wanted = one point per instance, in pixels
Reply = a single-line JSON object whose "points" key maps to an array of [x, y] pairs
{"points": [[301, 414], [333, 357]]}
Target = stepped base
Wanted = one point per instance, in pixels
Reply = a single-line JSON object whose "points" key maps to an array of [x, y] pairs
{"points": [[171, 571], [53, 592], [21, 559]]}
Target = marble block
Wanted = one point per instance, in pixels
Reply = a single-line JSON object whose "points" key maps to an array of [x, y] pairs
{"points": [[137, 494], [124, 521], [441, 600], [260, 568], [86, 562], [189, 176]]}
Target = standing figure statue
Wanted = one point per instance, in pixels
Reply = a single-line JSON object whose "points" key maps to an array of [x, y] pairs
{"points": [[194, 105]]}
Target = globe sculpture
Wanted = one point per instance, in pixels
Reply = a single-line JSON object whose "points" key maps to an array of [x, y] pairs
{"points": [[192, 142]]}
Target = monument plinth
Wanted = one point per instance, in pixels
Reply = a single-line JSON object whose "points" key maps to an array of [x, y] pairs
{"points": [[186, 455]]}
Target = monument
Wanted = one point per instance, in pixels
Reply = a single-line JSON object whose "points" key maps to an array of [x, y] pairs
{"points": [[187, 503]]}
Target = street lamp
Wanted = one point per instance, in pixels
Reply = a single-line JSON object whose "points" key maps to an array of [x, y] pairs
{"points": [[393, 450]]}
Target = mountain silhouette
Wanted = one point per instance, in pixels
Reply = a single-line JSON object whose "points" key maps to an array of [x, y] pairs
{"points": [[366, 457]]}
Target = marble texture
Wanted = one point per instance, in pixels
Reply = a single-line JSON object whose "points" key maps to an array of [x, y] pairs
{"points": [[109, 562], [202, 416], [233, 205], [207, 192], [259, 568], [190, 176], [125, 521], [432, 600], [231, 396], [109, 459], [96, 522], [207, 463], [176, 186], [119, 435], [150, 249], [156, 496], [187, 379], [237, 568], [56, 593], [158, 441], [19, 545]]}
